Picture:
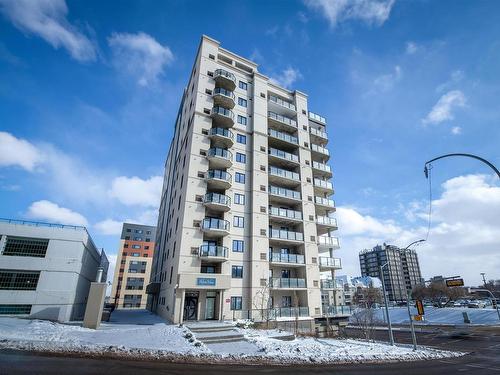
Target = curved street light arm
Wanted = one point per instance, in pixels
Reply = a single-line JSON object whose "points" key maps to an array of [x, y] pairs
{"points": [[426, 170]]}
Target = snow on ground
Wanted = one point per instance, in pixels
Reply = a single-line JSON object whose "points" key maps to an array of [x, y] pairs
{"points": [[141, 335]]}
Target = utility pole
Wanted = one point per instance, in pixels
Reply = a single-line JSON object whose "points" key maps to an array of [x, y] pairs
{"points": [[391, 337], [412, 327], [484, 280]]}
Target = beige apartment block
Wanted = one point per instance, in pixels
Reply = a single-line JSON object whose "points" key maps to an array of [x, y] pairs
{"points": [[245, 221]]}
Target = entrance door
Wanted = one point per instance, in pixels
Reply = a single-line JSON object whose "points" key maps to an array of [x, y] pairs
{"points": [[210, 308], [190, 307]]}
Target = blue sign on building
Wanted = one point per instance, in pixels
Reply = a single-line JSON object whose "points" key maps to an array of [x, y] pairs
{"points": [[205, 281]]}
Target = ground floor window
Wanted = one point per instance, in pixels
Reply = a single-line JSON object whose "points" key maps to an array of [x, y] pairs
{"points": [[236, 303], [15, 309]]}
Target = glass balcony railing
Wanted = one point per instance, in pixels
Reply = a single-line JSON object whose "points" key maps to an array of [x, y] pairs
{"points": [[330, 262], [224, 92], [283, 154], [325, 220], [214, 223], [324, 201], [318, 133], [321, 166], [283, 173], [213, 251], [217, 199], [320, 149], [283, 136], [283, 119], [221, 132], [225, 74], [283, 192], [323, 184], [281, 102], [282, 234], [287, 258], [316, 117], [223, 112], [328, 241], [219, 175], [328, 284], [282, 282], [284, 212], [220, 152]]}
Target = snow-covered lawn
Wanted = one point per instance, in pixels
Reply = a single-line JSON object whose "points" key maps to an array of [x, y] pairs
{"points": [[155, 339]]}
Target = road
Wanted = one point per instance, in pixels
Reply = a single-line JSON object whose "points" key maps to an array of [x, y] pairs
{"points": [[484, 346]]}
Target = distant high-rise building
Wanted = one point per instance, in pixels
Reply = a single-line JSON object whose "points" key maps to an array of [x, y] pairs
{"points": [[245, 219], [133, 266], [401, 274]]}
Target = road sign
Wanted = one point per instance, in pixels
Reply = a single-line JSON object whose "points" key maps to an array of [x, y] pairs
{"points": [[420, 307], [455, 282], [417, 317]]}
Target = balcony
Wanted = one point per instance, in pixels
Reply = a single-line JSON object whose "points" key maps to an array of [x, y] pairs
{"points": [[317, 118], [326, 263], [283, 140], [328, 243], [327, 222], [284, 215], [223, 97], [286, 283], [328, 284], [322, 169], [324, 202], [212, 226], [214, 253], [220, 158], [283, 158], [218, 179], [281, 235], [217, 202], [322, 186], [282, 104], [221, 137], [210, 281], [281, 122], [283, 195], [318, 135], [320, 151], [283, 177], [289, 259], [222, 117], [225, 79]]}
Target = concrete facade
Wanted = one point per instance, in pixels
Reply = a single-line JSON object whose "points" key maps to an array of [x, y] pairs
{"points": [[245, 220], [133, 266], [46, 269]]}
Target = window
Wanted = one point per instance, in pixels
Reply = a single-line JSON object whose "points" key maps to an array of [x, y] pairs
{"points": [[137, 238], [207, 269], [135, 254], [237, 272], [236, 303], [136, 246], [242, 102], [240, 138], [15, 309], [239, 177], [129, 230], [19, 280], [238, 246], [242, 120], [26, 247], [239, 222], [139, 231], [241, 158], [242, 85], [149, 232], [239, 198]]}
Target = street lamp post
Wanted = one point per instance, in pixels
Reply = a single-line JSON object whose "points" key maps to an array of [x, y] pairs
{"points": [[391, 337]]}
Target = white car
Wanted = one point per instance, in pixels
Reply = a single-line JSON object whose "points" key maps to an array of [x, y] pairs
{"points": [[476, 305]]}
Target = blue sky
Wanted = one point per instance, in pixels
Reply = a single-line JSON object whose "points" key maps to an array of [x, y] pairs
{"points": [[89, 92]]}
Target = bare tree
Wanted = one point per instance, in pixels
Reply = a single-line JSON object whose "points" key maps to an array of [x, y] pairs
{"points": [[261, 301], [364, 315]]}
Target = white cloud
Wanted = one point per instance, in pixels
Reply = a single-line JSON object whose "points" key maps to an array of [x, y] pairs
{"points": [[386, 82], [47, 19], [411, 48], [287, 77], [353, 223], [456, 130], [374, 12], [18, 152], [140, 55], [136, 191], [49, 211], [443, 109], [109, 227]]}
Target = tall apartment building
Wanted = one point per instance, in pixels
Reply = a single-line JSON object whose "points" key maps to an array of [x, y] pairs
{"points": [[245, 220], [133, 266], [401, 274], [46, 269]]}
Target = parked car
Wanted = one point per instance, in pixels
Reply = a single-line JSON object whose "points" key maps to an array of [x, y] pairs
{"points": [[476, 305]]}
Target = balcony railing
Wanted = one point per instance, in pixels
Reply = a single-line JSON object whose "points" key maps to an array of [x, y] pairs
{"points": [[222, 132], [328, 241], [318, 133], [320, 149], [321, 166], [328, 284], [286, 235], [284, 212], [325, 220], [219, 175], [324, 201], [283, 173], [214, 223], [283, 119], [287, 258], [316, 117], [263, 315], [224, 92], [213, 251], [283, 136], [332, 310], [217, 199], [223, 112], [330, 262], [323, 184], [281, 102], [283, 154], [224, 74], [283, 192], [281, 282], [220, 152]]}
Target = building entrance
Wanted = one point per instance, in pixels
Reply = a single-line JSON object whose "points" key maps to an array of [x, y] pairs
{"points": [[191, 306]]}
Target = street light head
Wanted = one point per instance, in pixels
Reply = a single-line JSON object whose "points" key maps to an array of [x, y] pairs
{"points": [[426, 172]]}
